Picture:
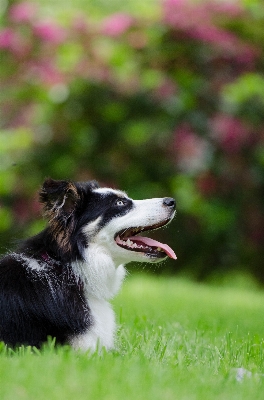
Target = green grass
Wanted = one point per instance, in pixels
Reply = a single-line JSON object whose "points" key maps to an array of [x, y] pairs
{"points": [[177, 340]]}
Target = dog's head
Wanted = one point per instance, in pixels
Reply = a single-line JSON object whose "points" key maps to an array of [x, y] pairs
{"points": [[81, 214]]}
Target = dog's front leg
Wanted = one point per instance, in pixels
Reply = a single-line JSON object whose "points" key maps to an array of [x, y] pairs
{"points": [[120, 274]]}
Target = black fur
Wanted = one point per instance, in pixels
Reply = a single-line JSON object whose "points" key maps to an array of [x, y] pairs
{"points": [[34, 305], [49, 300]]}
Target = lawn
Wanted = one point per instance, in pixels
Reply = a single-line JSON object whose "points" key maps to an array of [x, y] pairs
{"points": [[177, 340]]}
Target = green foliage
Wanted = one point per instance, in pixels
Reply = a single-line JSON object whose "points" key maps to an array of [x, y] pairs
{"points": [[247, 87], [176, 340], [165, 105]]}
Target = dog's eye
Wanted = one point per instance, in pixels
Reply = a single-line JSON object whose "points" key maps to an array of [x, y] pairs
{"points": [[120, 202]]}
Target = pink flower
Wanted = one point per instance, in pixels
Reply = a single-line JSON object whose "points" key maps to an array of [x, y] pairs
{"points": [[80, 24], [181, 14], [247, 54], [23, 116], [14, 42], [206, 183], [199, 22], [230, 133], [22, 12], [165, 90], [7, 36], [196, 22], [24, 210], [20, 47], [49, 32], [227, 41], [117, 24], [193, 152], [45, 72], [226, 8], [211, 34]]}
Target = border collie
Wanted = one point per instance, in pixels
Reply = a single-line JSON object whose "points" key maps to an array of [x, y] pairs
{"points": [[59, 282]]}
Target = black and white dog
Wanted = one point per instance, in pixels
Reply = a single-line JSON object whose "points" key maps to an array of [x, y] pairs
{"points": [[58, 283]]}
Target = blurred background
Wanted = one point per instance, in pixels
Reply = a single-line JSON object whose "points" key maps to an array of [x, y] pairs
{"points": [[158, 98]]}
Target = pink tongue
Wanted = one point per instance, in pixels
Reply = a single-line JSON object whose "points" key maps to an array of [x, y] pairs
{"points": [[154, 243]]}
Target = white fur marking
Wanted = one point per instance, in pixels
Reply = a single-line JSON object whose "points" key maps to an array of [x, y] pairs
{"points": [[91, 227], [102, 280], [31, 263], [34, 265], [109, 190]]}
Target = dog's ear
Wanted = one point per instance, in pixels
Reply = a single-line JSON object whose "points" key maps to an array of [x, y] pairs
{"points": [[58, 197]]}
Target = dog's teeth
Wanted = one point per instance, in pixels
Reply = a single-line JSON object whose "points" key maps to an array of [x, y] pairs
{"points": [[158, 248]]}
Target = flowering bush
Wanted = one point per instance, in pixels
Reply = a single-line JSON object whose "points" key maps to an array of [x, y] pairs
{"points": [[165, 106]]}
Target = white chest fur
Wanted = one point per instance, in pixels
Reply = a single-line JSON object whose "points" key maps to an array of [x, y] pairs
{"points": [[102, 280], [102, 332]]}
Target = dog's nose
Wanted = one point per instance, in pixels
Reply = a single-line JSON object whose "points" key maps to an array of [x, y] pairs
{"points": [[169, 202]]}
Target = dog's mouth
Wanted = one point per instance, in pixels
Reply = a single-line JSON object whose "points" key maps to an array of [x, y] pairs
{"points": [[129, 240]]}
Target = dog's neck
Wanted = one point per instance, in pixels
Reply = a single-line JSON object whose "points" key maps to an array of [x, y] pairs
{"points": [[101, 276]]}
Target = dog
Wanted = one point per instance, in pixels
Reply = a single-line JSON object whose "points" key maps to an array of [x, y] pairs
{"points": [[58, 283]]}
